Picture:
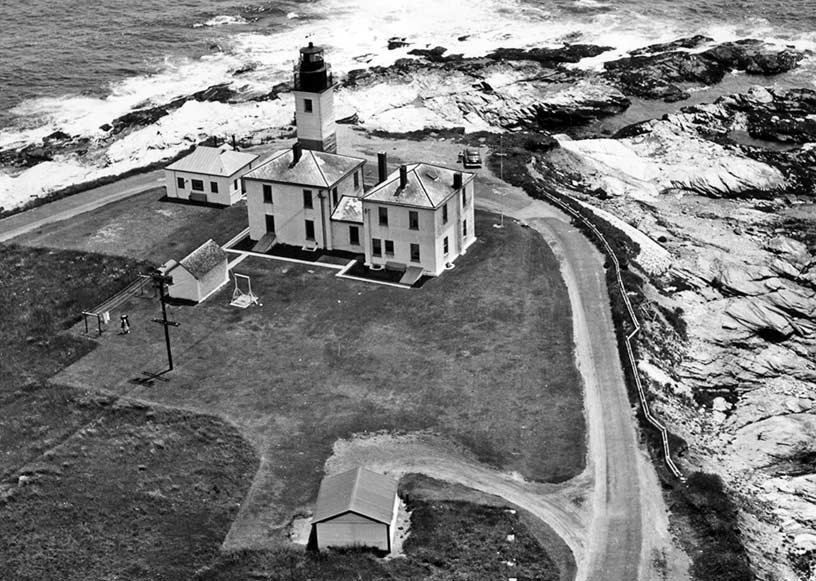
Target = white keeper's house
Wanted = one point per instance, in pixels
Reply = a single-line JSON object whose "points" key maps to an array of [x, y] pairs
{"points": [[421, 217], [417, 220], [293, 195], [209, 174]]}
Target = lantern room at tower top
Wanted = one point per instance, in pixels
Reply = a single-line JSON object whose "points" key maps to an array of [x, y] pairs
{"points": [[312, 73], [314, 101]]}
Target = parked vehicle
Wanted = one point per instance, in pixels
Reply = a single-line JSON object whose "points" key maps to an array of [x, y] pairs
{"points": [[471, 158]]}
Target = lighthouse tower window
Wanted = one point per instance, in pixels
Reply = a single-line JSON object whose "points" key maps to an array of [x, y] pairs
{"points": [[307, 105]]}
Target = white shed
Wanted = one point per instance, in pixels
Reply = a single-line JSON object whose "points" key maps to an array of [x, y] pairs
{"points": [[209, 174], [356, 508], [199, 274]]}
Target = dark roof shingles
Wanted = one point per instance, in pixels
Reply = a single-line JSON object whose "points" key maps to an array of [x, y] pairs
{"points": [[203, 259]]}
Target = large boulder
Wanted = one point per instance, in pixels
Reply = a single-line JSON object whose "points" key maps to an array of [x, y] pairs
{"points": [[657, 71], [763, 319], [777, 440], [550, 57]]}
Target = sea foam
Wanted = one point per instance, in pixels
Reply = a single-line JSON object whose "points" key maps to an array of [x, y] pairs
{"points": [[221, 20]]}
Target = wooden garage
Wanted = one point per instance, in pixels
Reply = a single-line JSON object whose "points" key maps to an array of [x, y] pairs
{"points": [[357, 508], [199, 274]]}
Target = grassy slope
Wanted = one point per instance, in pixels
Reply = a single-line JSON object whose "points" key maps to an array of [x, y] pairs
{"points": [[83, 507]]}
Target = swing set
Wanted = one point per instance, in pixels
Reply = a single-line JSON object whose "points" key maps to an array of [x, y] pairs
{"points": [[241, 299]]}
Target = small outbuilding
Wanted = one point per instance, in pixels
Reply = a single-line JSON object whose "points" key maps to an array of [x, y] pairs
{"points": [[357, 508], [199, 274], [209, 174]]}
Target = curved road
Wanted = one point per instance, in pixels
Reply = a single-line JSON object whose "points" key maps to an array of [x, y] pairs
{"points": [[627, 506]]}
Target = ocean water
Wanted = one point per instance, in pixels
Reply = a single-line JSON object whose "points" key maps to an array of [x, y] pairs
{"points": [[74, 65]]}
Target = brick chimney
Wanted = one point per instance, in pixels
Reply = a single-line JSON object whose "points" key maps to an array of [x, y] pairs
{"points": [[382, 167], [297, 151], [457, 180], [403, 176]]}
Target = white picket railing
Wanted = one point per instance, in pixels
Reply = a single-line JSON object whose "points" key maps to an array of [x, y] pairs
{"points": [[628, 339]]}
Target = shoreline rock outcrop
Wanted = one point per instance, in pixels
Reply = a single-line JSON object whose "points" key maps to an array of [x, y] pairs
{"points": [[740, 388], [659, 71]]}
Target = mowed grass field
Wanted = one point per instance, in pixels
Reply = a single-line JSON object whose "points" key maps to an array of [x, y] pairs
{"points": [[143, 227], [482, 355]]}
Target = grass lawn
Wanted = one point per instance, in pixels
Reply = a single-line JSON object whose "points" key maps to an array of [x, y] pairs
{"points": [[135, 494], [89, 488], [482, 355], [142, 227]]}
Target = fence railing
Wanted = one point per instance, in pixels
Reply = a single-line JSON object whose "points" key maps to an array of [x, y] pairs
{"points": [[647, 413]]}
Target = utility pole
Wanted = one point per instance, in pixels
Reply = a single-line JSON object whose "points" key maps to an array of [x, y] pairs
{"points": [[501, 155], [161, 280]]}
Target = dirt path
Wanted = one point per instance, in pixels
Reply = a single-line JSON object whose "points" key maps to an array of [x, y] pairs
{"points": [[71, 206], [562, 506]]}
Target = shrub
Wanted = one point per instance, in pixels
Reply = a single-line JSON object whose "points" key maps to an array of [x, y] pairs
{"points": [[719, 553]]}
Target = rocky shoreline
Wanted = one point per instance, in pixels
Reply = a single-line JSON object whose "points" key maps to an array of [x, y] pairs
{"points": [[509, 89], [727, 236]]}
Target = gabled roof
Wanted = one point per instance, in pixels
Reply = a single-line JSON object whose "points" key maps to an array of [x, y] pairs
{"points": [[361, 491], [213, 161], [203, 259], [314, 168], [349, 209], [428, 186]]}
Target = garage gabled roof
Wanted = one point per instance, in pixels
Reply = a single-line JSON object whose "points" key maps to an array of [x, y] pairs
{"points": [[203, 259], [314, 168], [213, 161], [429, 186], [360, 491]]}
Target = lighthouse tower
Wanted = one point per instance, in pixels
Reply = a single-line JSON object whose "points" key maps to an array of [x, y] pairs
{"points": [[314, 101]]}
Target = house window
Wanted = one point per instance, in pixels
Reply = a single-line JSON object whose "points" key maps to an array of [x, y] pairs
{"points": [[383, 212], [445, 246], [307, 105], [414, 252], [180, 183], [270, 224], [197, 185], [354, 235], [464, 227], [310, 230], [307, 199], [214, 187], [267, 194], [376, 247], [356, 180], [413, 220], [389, 248], [445, 214], [234, 184], [334, 196]]}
